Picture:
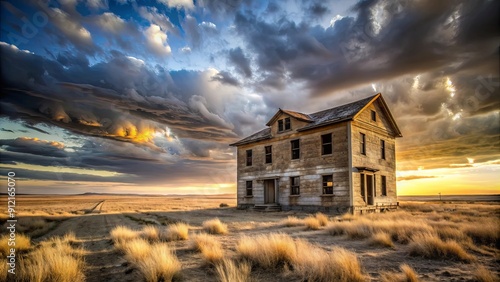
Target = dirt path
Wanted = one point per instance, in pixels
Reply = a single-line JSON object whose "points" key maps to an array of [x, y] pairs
{"points": [[92, 231]]}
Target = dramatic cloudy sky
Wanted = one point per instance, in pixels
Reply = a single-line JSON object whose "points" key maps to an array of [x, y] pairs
{"points": [[145, 96]]}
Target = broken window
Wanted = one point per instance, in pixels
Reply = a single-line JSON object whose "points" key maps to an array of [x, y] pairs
{"points": [[249, 157], [249, 188], [295, 185], [362, 145], [295, 149], [269, 154], [327, 184], [326, 144], [384, 185], [382, 149]]}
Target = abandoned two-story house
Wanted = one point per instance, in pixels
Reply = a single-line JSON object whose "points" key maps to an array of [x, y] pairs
{"points": [[337, 160]]}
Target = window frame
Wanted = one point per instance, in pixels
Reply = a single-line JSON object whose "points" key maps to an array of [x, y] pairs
{"points": [[249, 157], [382, 149], [281, 125], [326, 144], [268, 157], [327, 190], [362, 143], [383, 184], [292, 149], [247, 188], [288, 124], [294, 187], [374, 116]]}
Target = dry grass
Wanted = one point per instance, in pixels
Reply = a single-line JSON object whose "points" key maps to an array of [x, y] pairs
{"points": [[136, 250], [322, 218], [23, 244], [176, 232], [482, 274], [209, 246], [407, 274], [3, 269], [214, 226], [228, 271], [431, 246], [268, 250], [487, 234], [312, 223], [150, 233], [160, 264], [381, 239], [122, 234], [54, 260], [291, 221]]}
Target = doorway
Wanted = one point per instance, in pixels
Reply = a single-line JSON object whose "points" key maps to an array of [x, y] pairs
{"points": [[369, 189], [269, 191]]}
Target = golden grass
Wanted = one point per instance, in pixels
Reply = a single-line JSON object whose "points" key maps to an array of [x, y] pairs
{"points": [[407, 274], [312, 223], [150, 233], [214, 226], [22, 242], [176, 232], [136, 250], [487, 234], [209, 246], [54, 260], [268, 250], [381, 239], [228, 271], [431, 246], [160, 264], [482, 274], [291, 221], [122, 234], [322, 218], [3, 269]]}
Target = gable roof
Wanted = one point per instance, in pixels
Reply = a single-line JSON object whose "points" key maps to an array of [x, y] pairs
{"points": [[330, 116]]}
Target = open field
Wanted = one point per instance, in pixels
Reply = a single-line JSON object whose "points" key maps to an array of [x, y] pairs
{"points": [[149, 238]]}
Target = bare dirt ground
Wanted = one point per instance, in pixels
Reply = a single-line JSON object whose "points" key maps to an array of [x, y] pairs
{"points": [[103, 263]]}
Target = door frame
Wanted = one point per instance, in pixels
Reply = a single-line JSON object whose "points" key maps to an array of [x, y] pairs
{"points": [[275, 186]]}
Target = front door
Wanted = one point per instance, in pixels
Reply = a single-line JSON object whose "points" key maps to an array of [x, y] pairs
{"points": [[269, 192], [369, 189]]}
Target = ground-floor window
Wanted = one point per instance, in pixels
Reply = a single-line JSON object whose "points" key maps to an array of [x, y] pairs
{"points": [[327, 184], [249, 188], [384, 185], [295, 185]]}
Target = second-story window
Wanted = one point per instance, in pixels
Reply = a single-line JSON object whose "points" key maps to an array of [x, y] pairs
{"points": [[280, 125], [295, 185], [382, 149], [362, 143], [288, 125], [269, 154], [327, 184], [326, 144], [295, 149], [249, 157]]}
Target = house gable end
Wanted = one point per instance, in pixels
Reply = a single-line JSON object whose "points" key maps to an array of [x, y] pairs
{"points": [[383, 117]]}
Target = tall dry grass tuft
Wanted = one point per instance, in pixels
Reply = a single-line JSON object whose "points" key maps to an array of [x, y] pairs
{"points": [[136, 250], [150, 233], [54, 260], [431, 246], [122, 234], [228, 271], [482, 274], [268, 250], [312, 223], [322, 218], [381, 239], [23, 244], [176, 232], [3, 269], [160, 264], [214, 226], [488, 234], [291, 221], [209, 246], [407, 274]]}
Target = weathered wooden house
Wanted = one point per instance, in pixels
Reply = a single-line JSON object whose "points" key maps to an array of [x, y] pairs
{"points": [[337, 160]]}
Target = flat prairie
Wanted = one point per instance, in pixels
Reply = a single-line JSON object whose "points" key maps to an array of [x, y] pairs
{"points": [[205, 238]]}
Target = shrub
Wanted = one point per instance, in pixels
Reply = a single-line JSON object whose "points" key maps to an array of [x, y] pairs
{"points": [[228, 271], [268, 250], [176, 232], [160, 264], [322, 218], [312, 223], [431, 246], [150, 233], [291, 221], [381, 239], [407, 275], [214, 226], [23, 244]]}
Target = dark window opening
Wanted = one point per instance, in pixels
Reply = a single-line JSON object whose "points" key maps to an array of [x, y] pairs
{"points": [[295, 149], [327, 184], [249, 188], [384, 185], [295, 185], [249, 157], [382, 149], [374, 116], [362, 185], [269, 154], [326, 144], [362, 144], [287, 124], [280, 125]]}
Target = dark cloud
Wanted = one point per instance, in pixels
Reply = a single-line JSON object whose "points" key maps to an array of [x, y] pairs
{"points": [[240, 61], [7, 130], [225, 77]]}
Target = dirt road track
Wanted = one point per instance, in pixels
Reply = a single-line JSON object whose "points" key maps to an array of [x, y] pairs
{"points": [[103, 262]]}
